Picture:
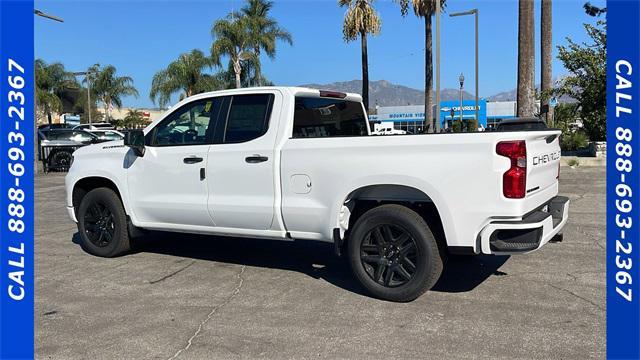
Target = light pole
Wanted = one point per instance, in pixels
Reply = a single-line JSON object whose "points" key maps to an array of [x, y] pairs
{"points": [[36, 140], [461, 79], [45, 15], [86, 74], [473, 12]]}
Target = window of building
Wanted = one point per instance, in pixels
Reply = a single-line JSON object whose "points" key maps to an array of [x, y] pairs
{"points": [[321, 117]]}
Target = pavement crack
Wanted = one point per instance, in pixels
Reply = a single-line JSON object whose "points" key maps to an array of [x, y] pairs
{"points": [[172, 274], [235, 292], [578, 296]]}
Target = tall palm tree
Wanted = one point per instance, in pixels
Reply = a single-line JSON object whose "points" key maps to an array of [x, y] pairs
{"points": [[109, 87], [545, 49], [51, 81], [526, 59], [186, 75], [361, 19], [425, 9], [264, 32], [232, 38]]}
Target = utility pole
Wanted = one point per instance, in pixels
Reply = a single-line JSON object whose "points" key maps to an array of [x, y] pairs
{"points": [[86, 74], [36, 141], [461, 79], [475, 13]]}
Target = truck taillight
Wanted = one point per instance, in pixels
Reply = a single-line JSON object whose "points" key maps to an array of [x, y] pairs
{"points": [[514, 180]]}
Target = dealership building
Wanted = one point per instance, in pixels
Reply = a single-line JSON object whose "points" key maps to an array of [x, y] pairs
{"points": [[411, 117]]}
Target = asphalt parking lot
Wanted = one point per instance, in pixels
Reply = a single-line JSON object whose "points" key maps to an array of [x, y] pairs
{"points": [[195, 297]]}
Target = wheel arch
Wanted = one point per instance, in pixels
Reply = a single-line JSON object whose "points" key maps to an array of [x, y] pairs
{"points": [[82, 186], [427, 204]]}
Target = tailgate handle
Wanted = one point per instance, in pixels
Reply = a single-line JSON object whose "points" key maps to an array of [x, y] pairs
{"points": [[550, 138]]}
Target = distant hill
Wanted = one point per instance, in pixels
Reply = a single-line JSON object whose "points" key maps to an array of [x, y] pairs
{"points": [[384, 93]]}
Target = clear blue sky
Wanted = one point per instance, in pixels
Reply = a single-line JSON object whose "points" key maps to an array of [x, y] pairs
{"points": [[141, 37]]}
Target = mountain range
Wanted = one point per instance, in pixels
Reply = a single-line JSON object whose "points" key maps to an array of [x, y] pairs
{"points": [[385, 93]]}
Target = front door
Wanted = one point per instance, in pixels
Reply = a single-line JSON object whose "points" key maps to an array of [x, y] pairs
{"points": [[241, 164], [168, 184]]}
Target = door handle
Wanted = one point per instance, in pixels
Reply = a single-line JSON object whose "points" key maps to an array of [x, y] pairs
{"points": [[192, 160], [256, 159]]}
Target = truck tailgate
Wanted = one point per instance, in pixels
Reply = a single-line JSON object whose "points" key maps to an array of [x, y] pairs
{"points": [[543, 160]]}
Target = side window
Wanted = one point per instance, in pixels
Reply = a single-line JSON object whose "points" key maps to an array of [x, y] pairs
{"points": [[248, 117], [189, 125], [321, 117]]}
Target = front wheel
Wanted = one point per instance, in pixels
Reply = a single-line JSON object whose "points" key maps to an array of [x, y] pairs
{"points": [[393, 253], [102, 223]]}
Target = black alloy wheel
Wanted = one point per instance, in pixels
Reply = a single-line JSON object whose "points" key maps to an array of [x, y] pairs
{"points": [[99, 224], [388, 254]]}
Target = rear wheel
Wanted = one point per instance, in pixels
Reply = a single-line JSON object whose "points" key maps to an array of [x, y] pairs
{"points": [[102, 223], [60, 160], [393, 253]]}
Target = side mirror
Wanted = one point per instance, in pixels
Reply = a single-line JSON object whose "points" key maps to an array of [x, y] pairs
{"points": [[135, 140]]}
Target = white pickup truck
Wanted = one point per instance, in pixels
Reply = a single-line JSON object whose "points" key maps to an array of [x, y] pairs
{"points": [[299, 164]]}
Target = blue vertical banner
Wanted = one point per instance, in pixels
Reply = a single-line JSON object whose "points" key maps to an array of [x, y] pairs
{"points": [[16, 179], [623, 182]]}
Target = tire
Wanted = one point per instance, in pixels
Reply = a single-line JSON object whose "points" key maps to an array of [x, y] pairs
{"points": [[394, 237], [102, 223], [60, 160]]}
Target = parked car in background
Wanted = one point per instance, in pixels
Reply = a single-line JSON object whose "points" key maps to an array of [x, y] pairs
{"points": [[57, 146], [522, 124], [95, 126], [386, 129], [108, 135], [54, 126]]}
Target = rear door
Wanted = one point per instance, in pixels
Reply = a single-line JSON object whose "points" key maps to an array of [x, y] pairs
{"points": [[543, 160], [241, 164]]}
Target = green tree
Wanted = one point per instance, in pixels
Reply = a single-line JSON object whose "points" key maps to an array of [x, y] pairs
{"points": [[133, 119], [264, 33], [110, 88], [361, 19], [81, 104], [232, 38], [425, 9], [186, 75], [586, 82], [51, 81]]}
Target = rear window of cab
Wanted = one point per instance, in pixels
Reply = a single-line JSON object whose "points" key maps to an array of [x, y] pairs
{"points": [[321, 117]]}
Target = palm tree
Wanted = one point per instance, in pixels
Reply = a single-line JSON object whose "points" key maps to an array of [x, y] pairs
{"points": [[133, 119], [264, 32], [361, 19], [526, 59], [51, 81], [110, 88], [186, 75], [545, 49], [425, 9], [232, 38]]}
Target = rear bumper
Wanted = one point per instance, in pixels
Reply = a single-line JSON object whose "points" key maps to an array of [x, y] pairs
{"points": [[529, 234]]}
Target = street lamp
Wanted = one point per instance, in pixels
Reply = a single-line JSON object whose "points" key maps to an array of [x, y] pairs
{"points": [[36, 140], [461, 79], [475, 13], [45, 15], [86, 74]]}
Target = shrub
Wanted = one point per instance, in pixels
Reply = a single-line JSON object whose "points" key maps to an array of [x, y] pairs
{"points": [[472, 125], [457, 126], [573, 140], [573, 162]]}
